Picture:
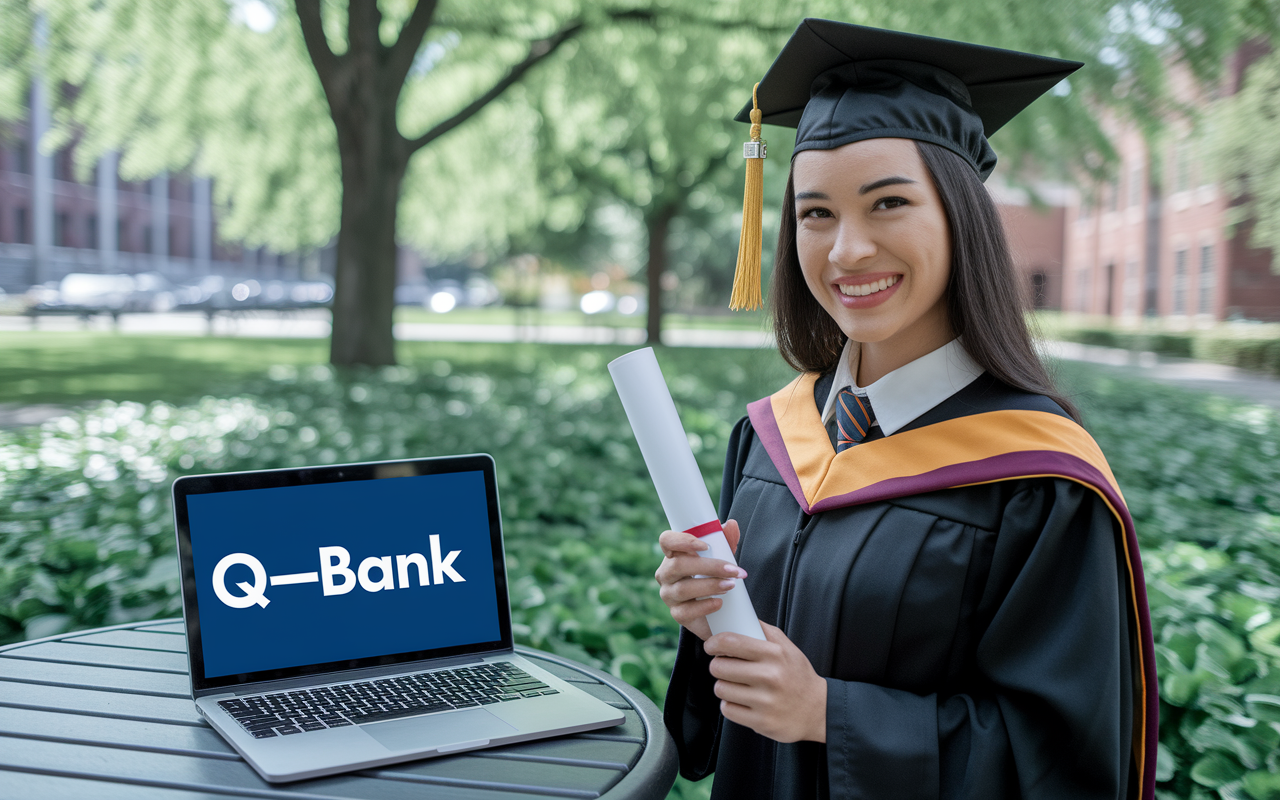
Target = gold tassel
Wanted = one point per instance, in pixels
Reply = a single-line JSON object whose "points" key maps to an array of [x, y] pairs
{"points": [[746, 278]]}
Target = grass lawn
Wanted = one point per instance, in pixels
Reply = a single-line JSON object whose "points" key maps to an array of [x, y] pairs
{"points": [[74, 368], [505, 315]]}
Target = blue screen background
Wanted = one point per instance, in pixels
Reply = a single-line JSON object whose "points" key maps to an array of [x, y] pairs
{"points": [[285, 527]]}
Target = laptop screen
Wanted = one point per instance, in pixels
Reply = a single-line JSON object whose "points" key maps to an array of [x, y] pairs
{"points": [[302, 571]]}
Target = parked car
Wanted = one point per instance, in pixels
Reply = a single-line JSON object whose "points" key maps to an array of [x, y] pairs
{"points": [[152, 292], [413, 294], [214, 293]]}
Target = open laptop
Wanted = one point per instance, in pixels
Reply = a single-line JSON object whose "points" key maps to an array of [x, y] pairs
{"points": [[357, 615]]}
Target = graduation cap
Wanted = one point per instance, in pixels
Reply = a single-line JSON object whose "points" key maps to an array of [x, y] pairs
{"points": [[838, 83]]}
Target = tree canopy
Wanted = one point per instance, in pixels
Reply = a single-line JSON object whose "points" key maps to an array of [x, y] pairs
{"points": [[518, 122], [1242, 135]]}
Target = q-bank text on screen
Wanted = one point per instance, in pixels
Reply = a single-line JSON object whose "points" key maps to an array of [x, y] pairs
{"points": [[301, 575]]}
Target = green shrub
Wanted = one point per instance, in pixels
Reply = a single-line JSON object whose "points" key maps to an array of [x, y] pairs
{"points": [[1201, 478], [1257, 354], [1179, 345], [86, 537]]}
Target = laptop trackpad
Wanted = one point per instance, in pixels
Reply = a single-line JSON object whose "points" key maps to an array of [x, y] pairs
{"points": [[428, 733]]}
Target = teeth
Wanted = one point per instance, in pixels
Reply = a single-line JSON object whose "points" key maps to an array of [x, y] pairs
{"points": [[867, 288]]}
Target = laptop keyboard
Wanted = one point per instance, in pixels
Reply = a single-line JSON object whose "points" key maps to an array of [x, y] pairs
{"points": [[284, 713]]}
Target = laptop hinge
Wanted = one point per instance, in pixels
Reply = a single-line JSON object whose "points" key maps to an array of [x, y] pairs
{"points": [[345, 676]]}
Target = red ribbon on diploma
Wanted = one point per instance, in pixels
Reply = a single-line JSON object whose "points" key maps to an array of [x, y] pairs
{"points": [[705, 528]]}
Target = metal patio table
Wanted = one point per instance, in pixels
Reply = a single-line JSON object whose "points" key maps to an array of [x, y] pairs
{"points": [[107, 714]]}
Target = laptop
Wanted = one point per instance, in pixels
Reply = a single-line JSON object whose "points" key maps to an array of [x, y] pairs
{"points": [[357, 615]]}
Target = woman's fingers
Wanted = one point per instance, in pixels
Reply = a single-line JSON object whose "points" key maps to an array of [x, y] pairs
{"points": [[673, 542], [693, 589], [683, 567], [688, 582], [731, 534], [692, 615]]}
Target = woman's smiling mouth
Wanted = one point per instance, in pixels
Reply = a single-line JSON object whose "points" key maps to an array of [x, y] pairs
{"points": [[862, 289], [865, 291]]}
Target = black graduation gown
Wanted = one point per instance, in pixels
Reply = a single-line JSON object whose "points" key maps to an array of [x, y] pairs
{"points": [[974, 640]]}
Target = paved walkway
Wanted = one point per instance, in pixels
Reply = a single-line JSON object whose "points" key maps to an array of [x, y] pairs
{"points": [[315, 325], [1184, 373]]}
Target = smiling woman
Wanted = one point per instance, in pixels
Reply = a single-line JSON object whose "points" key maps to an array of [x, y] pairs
{"points": [[874, 248], [944, 569], [978, 291]]}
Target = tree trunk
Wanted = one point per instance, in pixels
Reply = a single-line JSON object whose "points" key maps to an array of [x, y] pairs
{"points": [[658, 226], [373, 156], [363, 88], [365, 268]]}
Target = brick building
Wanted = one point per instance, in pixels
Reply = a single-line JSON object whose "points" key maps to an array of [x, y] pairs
{"points": [[52, 224], [1154, 240]]}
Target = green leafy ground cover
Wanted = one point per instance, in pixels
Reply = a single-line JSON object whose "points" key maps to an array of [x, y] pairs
{"points": [[86, 537]]}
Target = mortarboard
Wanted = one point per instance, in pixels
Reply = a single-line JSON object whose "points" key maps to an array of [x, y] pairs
{"points": [[838, 83]]}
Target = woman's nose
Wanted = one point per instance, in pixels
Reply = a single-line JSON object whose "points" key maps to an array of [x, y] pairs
{"points": [[853, 244]]}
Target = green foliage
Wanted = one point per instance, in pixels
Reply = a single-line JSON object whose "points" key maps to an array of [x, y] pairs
{"points": [[86, 537], [1201, 478], [1169, 344], [185, 85], [15, 47], [636, 109], [1261, 354], [1247, 155]]}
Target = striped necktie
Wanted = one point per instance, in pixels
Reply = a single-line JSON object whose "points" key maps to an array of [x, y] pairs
{"points": [[853, 419]]}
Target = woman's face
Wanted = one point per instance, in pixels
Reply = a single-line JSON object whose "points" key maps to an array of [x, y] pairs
{"points": [[874, 243]]}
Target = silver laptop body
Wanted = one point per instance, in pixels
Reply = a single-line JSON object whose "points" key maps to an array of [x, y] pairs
{"points": [[352, 616]]}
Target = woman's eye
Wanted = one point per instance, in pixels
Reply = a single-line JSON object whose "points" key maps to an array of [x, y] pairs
{"points": [[810, 213], [889, 202]]}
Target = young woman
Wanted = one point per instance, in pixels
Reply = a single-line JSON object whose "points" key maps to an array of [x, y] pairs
{"points": [[943, 566]]}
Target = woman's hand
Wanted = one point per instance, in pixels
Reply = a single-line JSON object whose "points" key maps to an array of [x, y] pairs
{"points": [[769, 687], [681, 591]]}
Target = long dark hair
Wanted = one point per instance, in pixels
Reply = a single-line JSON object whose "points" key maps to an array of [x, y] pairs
{"points": [[985, 298]]}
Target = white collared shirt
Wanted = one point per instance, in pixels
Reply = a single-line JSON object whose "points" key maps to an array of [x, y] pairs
{"points": [[908, 391]]}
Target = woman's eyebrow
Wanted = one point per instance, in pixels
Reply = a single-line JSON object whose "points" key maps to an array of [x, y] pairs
{"points": [[812, 196], [883, 182]]}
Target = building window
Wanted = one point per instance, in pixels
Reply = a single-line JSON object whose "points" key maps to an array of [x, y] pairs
{"points": [[1113, 195], [62, 170], [1082, 290], [19, 160], [21, 233], [122, 237], [1135, 185], [1180, 281], [62, 229], [1182, 166], [1131, 286], [1208, 280], [91, 238]]}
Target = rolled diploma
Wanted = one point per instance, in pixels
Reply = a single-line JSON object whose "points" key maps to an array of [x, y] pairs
{"points": [[675, 475]]}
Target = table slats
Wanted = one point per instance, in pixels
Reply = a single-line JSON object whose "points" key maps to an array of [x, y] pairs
{"points": [[107, 678], [28, 785], [138, 640], [97, 655], [108, 714]]}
